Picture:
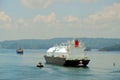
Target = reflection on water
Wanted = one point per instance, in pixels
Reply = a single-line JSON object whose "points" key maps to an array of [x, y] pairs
{"points": [[23, 67]]}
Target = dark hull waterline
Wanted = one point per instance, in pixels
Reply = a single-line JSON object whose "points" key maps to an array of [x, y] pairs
{"points": [[20, 52], [68, 63]]}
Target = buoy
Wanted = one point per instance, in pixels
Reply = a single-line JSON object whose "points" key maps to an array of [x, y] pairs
{"points": [[40, 65]]}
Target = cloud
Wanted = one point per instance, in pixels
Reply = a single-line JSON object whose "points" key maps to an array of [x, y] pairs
{"points": [[5, 21], [41, 4], [23, 23], [85, 1], [71, 19], [89, 0], [36, 4], [4, 17], [49, 19], [104, 23], [108, 15]]}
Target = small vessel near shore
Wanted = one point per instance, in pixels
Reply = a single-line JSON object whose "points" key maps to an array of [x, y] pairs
{"points": [[70, 54], [39, 65], [19, 51]]}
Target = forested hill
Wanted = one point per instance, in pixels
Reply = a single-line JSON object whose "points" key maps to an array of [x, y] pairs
{"points": [[93, 43]]}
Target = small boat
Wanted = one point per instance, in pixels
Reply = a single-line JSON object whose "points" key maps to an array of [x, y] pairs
{"points": [[19, 50], [70, 54], [40, 65]]}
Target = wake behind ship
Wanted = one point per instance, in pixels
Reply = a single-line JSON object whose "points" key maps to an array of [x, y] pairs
{"points": [[70, 54]]}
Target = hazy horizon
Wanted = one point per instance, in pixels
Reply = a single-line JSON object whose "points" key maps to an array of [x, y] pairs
{"points": [[59, 37]]}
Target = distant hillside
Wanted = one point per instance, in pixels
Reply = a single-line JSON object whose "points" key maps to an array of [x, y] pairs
{"points": [[92, 43], [111, 48]]}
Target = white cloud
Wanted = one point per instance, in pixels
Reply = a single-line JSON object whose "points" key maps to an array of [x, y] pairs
{"points": [[89, 0], [5, 21], [108, 15], [33, 4], [85, 1], [49, 19], [104, 23], [40, 4], [4, 17], [22, 22], [71, 19]]}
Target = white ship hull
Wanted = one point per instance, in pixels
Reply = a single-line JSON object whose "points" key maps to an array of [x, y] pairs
{"points": [[68, 63]]}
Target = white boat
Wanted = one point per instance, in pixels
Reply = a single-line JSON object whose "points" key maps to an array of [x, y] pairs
{"points": [[67, 54]]}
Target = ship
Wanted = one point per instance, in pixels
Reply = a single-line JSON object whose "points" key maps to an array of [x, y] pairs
{"points": [[19, 51], [68, 54]]}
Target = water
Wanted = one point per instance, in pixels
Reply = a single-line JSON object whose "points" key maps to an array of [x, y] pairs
{"points": [[23, 67]]}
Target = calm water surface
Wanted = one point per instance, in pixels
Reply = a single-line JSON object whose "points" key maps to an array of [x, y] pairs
{"points": [[23, 67]]}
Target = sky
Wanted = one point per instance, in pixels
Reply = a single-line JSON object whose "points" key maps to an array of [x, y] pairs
{"points": [[46, 19]]}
